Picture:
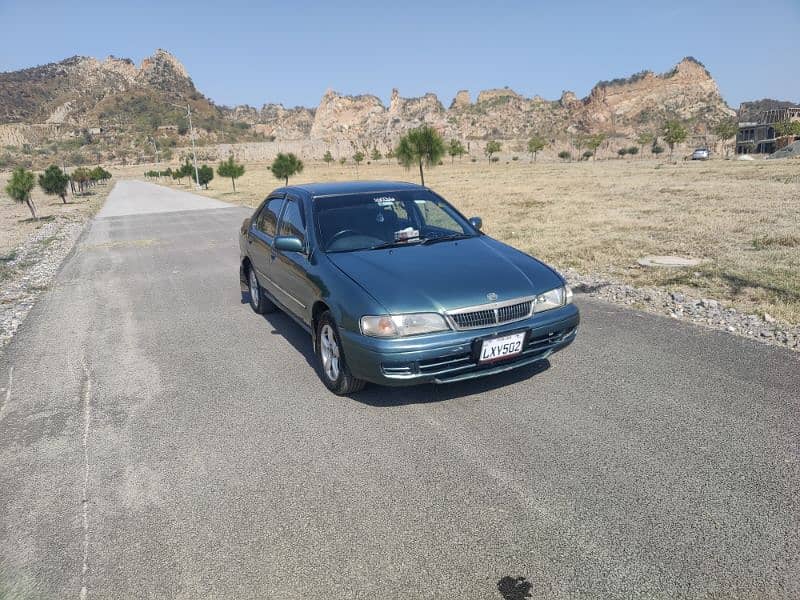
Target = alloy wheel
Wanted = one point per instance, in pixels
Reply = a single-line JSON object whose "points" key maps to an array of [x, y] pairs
{"points": [[254, 295], [329, 350]]}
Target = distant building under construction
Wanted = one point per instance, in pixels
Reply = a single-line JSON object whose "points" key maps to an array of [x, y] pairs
{"points": [[759, 137]]}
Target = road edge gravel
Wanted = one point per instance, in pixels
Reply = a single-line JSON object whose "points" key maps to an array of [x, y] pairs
{"points": [[705, 312], [34, 266]]}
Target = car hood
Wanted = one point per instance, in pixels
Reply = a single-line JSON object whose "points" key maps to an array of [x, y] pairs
{"points": [[447, 275]]}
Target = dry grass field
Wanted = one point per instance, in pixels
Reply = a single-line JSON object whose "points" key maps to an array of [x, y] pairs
{"points": [[741, 217]]}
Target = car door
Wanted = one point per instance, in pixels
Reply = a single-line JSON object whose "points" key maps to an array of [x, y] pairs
{"points": [[295, 289], [260, 238]]}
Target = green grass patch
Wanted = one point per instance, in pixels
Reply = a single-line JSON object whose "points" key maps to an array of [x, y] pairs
{"points": [[767, 242], [6, 272]]}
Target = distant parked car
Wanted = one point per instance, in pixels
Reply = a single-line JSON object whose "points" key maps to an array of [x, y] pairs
{"points": [[701, 154], [396, 287]]}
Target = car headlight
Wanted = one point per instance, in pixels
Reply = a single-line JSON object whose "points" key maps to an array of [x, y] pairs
{"points": [[552, 299], [389, 326]]}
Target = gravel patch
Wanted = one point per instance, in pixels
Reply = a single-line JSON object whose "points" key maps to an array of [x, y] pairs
{"points": [[700, 311], [30, 268]]}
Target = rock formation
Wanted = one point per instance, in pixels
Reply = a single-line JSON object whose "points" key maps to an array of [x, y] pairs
{"points": [[82, 92]]}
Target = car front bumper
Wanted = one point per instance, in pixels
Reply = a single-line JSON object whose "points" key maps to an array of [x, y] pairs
{"points": [[450, 356]]}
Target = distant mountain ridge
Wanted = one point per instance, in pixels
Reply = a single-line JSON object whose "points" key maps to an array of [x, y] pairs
{"points": [[135, 103]]}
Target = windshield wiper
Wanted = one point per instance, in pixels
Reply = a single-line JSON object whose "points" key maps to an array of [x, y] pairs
{"points": [[446, 238], [398, 243]]}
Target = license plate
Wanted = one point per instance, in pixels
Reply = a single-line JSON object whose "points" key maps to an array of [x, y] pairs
{"points": [[501, 347]]}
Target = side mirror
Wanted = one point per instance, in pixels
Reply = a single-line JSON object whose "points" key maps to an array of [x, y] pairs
{"points": [[287, 243], [476, 222]]}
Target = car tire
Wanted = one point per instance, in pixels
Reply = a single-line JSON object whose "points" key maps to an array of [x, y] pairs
{"points": [[333, 369], [258, 299]]}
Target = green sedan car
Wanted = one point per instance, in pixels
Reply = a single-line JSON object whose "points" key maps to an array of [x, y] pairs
{"points": [[397, 288]]}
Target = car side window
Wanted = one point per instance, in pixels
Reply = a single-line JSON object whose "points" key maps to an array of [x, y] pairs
{"points": [[293, 223], [268, 217]]}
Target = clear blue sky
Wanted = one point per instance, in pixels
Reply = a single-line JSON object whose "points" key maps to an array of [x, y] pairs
{"points": [[292, 51]]}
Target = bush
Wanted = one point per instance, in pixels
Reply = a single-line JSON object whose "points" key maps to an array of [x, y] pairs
{"points": [[633, 150], [54, 182], [285, 166], [564, 155], [587, 155], [622, 152], [495, 159], [515, 158], [657, 150], [205, 174]]}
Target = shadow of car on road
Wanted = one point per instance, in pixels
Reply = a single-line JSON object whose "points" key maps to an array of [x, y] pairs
{"points": [[383, 396]]}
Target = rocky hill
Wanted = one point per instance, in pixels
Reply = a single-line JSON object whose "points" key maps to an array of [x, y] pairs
{"points": [[82, 91], [108, 109], [86, 110]]}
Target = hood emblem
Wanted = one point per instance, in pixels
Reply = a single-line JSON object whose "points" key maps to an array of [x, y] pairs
{"points": [[491, 296]]}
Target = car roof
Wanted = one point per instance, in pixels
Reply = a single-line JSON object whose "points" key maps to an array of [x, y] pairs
{"points": [[339, 188]]}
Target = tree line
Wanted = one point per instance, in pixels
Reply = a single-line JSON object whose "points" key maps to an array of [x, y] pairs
{"points": [[53, 182], [424, 147]]}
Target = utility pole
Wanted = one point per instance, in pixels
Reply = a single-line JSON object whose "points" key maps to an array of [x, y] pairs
{"points": [[191, 133], [194, 154], [153, 142]]}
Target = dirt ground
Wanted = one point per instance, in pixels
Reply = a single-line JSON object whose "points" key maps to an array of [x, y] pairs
{"points": [[742, 218], [17, 224]]}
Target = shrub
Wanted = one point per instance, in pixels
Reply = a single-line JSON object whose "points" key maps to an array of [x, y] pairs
{"points": [[205, 174], [230, 168], [674, 133], [633, 150], [564, 155], [19, 188], [622, 152], [657, 149], [421, 146], [54, 182], [455, 148], [535, 144], [515, 158], [286, 165], [587, 155], [491, 148]]}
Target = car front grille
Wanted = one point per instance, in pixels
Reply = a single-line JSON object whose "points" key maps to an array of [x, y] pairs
{"points": [[506, 312], [451, 365]]}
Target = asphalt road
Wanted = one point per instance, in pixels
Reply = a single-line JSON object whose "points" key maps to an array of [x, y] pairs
{"points": [[160, 440]]}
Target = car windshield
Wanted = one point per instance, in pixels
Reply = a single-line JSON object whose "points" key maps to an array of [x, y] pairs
{"points": [[386, 219]]}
